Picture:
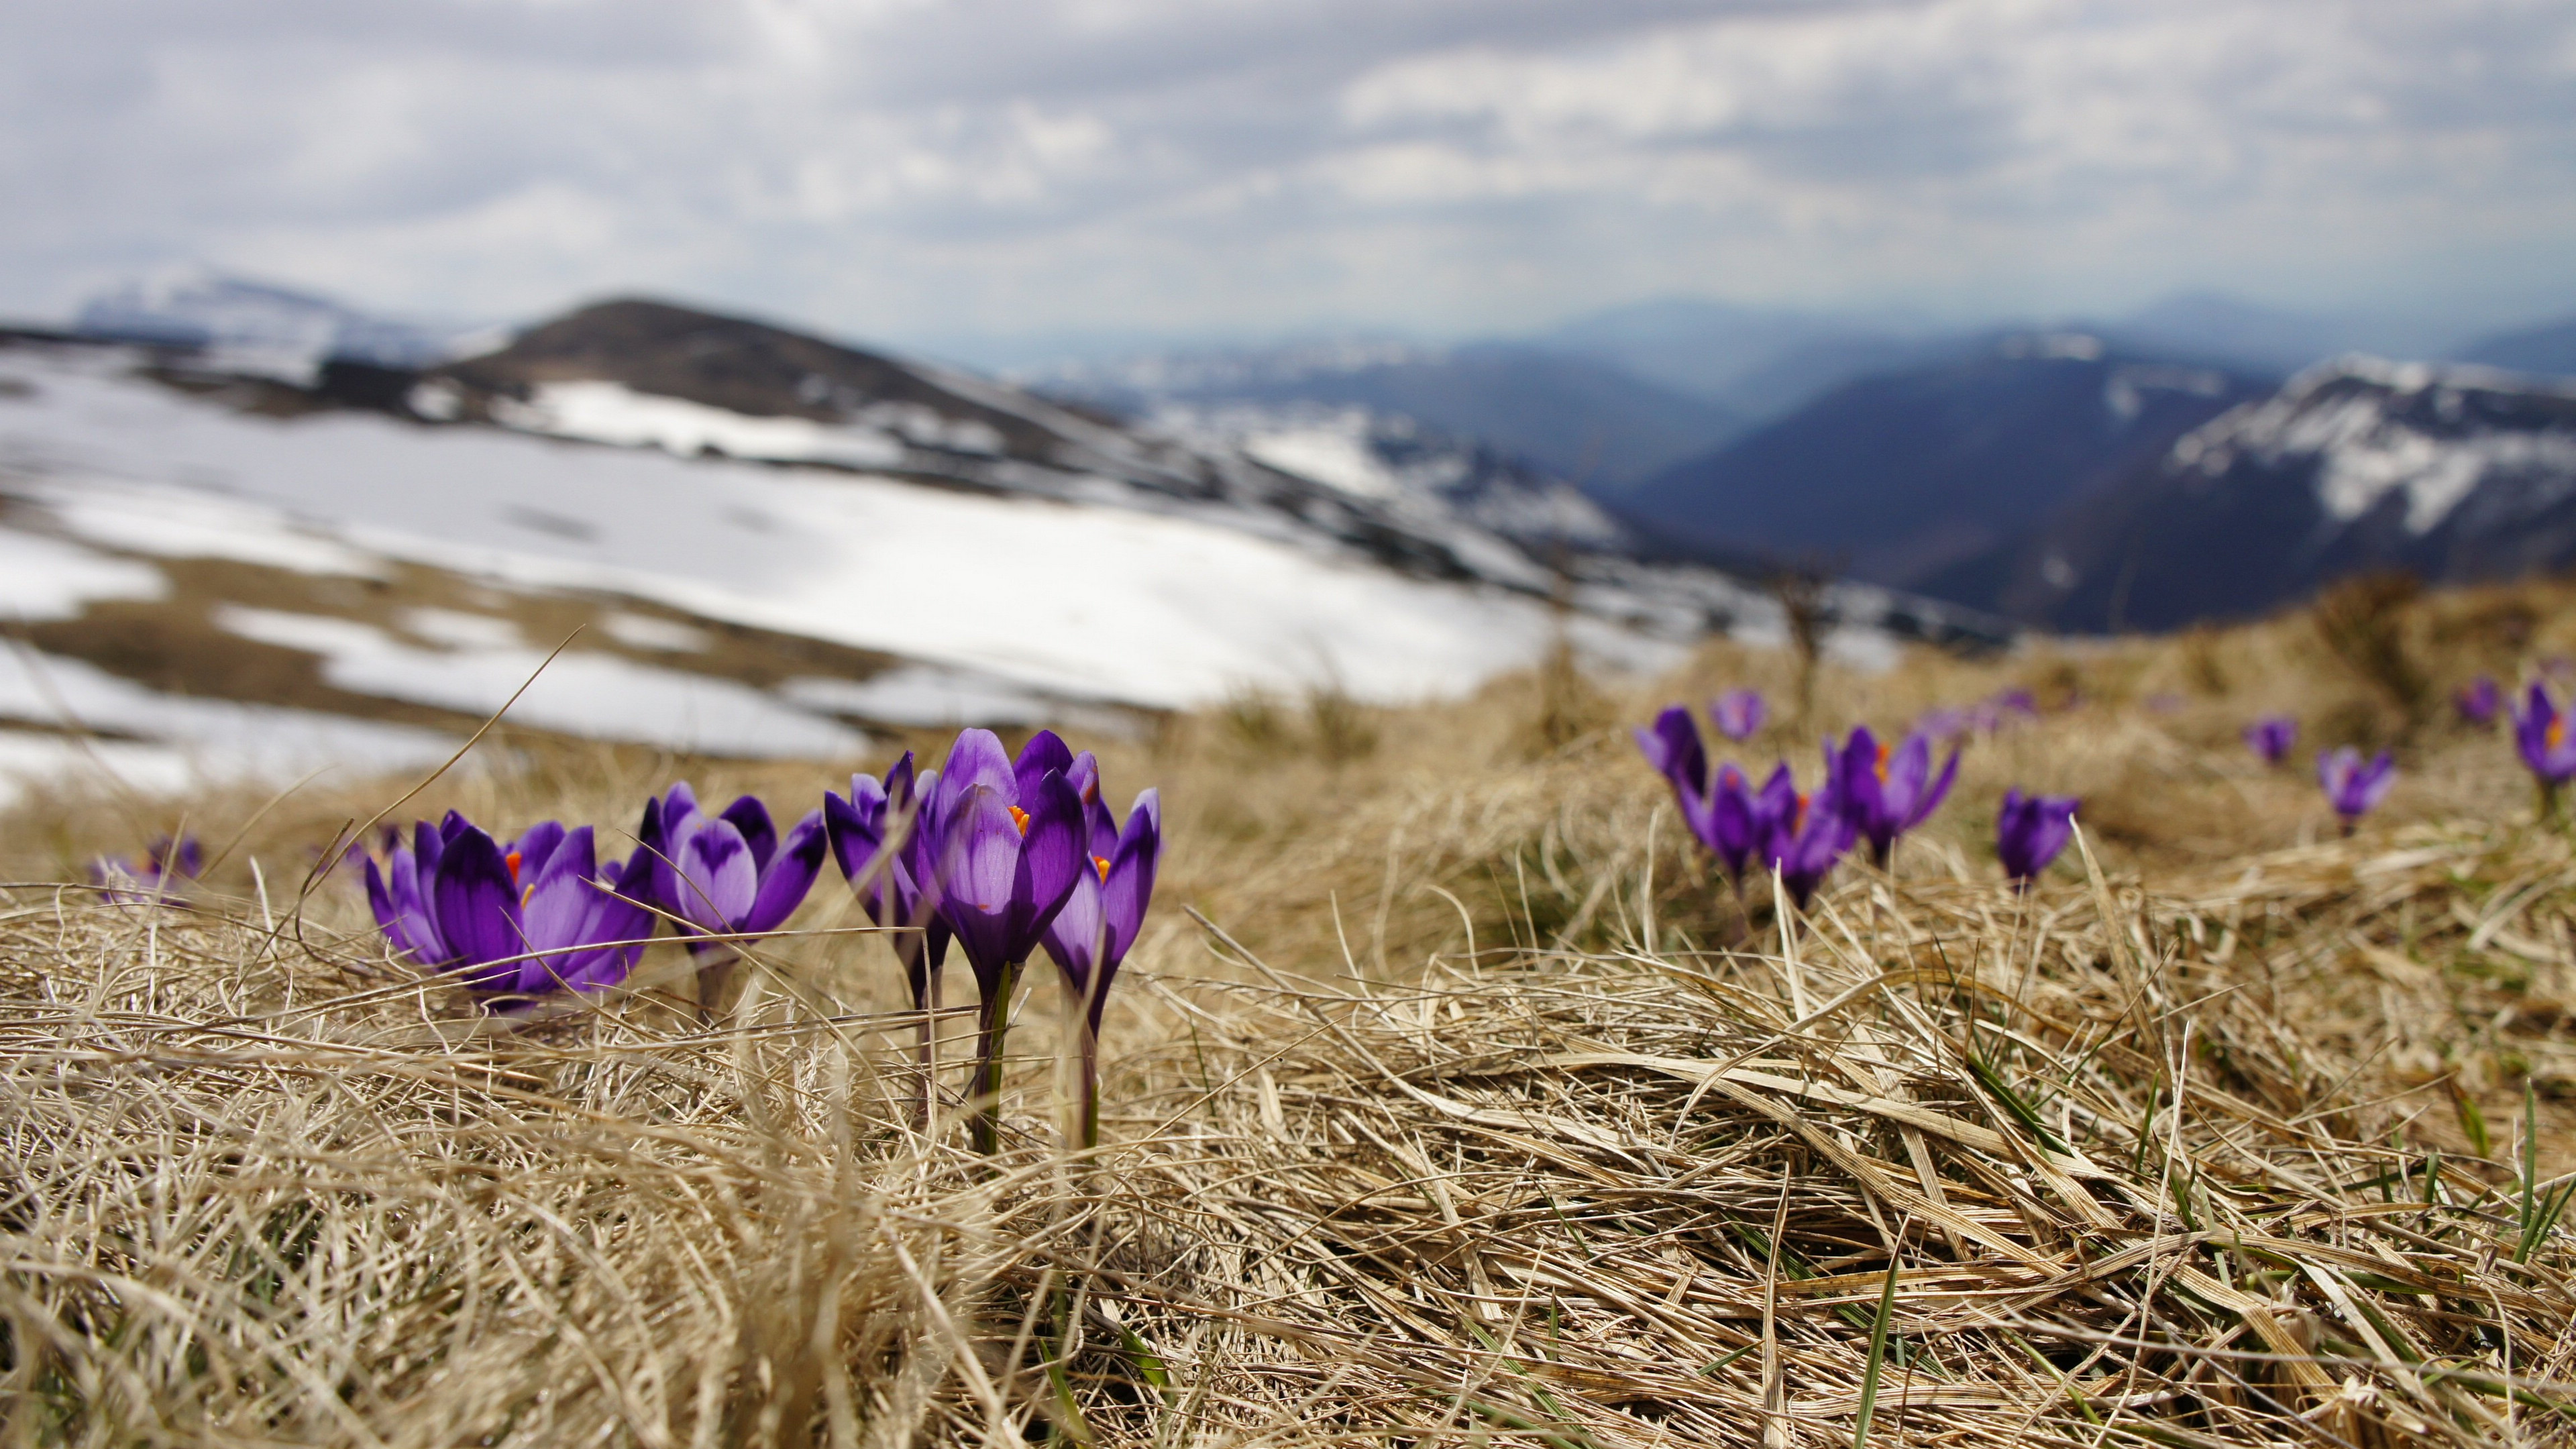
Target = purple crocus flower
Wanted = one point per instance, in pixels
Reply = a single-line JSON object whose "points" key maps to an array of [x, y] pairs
{"points": [[1731, 823], [883, 839], [1009, 851], [1091, 936], [2478, 701], [1671, 744], [2354, 788], [152, 876], [1739, 713], [884, 851], [2271, 737], [726, 875], [454, 901], [1884, 792], [1809, 834], [2540, 736], [2029, 832]]}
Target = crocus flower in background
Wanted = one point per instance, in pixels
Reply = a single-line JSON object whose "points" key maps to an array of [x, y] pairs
{"points": [[152, 876], [1090, 937], [2478, 700], [2352, 787], [1884, 792], [726, 875], [2029, 832], [883, 843], [1009, 852], [1739, 822], [2540, 736], [1809, 836], [1671, 744], [2272, 737], [1738, 713], [1942, 724], [514, 921]]}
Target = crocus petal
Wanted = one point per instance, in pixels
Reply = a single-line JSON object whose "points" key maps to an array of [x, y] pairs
{"points": [[976, 758], [1930, 799], [717, 878], [477, 909], [389, 918], [1077, 937], [535, 847], [790, 875], [1128, 887], [561, 902], [856, 829], [1051, 857], [1671, 744], [979, 860], [409, 887], [749, 816], [1045, 753]]}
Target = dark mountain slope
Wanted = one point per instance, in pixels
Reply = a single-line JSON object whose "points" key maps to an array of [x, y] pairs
{"points": [[2454, 474], [1903, 475]]}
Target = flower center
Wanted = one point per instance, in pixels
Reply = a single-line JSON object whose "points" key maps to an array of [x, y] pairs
{"points": [[2557, 733], [1102, 861], [1020, 818], [1881, 764]]}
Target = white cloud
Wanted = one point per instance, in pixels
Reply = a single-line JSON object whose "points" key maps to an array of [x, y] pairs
{"points": [[914, 168]]}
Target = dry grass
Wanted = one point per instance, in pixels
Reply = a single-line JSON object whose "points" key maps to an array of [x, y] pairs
{"points": [[1473, 1112]]}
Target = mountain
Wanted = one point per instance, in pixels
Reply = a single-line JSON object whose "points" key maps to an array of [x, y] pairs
{"points": [[1903, 475], [259, 326], [2544, 351], [749, 541], [1573, 416], [2454, 473]]}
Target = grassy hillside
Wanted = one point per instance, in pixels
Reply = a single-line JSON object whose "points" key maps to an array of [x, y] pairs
{"points": [[1450, 1099]]}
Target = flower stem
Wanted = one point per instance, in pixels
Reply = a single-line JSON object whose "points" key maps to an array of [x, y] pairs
{"points": [[927, 1044], [715, 967], [988, 1066], [1090, 1084]]}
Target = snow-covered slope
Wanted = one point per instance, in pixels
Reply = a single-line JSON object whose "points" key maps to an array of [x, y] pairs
{"points": [[762, 544], [2454, 473]]}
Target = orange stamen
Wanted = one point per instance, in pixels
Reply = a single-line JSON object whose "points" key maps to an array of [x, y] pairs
{"points": [[1102, 861], [1020, 818], [2557, 734], [1882, 764], [512, 861]]}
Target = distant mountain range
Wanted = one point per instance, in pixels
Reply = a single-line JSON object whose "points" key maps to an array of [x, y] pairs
{"points": [[1897, 477], [1575, 417], [2456, 474]]}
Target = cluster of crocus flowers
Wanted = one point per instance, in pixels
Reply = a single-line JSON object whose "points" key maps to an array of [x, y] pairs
{"points": [[2271, 737], [513, 922], [152, 876], [2354, 787], [1867, 791], [2540, 737], [2029, 832], [1001, 857]]}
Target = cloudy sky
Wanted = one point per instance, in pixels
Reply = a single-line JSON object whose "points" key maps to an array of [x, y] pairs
{"points": [[928, 170]]}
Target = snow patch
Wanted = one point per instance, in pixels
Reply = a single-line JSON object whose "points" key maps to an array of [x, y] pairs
{"points": [[662, 636], [52, 578], [597, 696], [198, 741], [611, 412]]}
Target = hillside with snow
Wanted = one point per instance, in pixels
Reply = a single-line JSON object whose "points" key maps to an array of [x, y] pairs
{"points": [[756, 542]]}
